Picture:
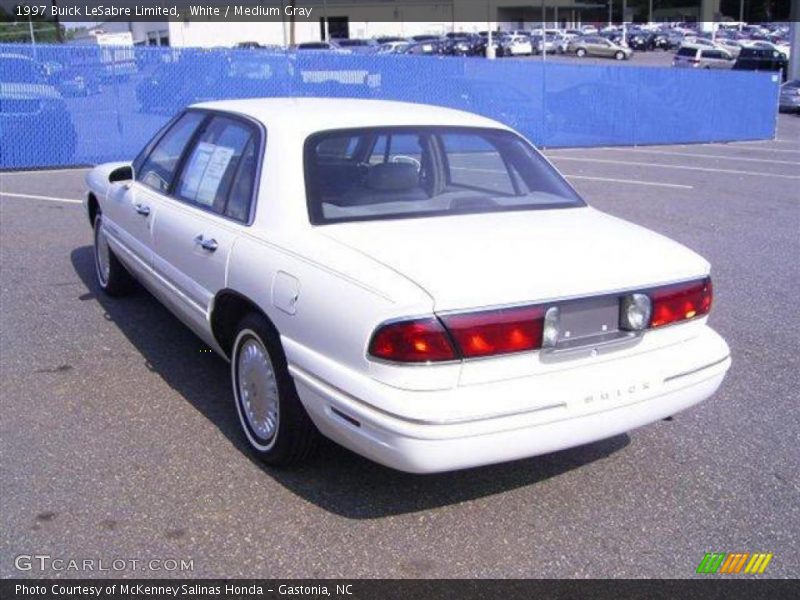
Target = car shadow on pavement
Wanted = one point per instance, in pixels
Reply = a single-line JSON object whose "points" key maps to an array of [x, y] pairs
{"points": [[336, 480]]}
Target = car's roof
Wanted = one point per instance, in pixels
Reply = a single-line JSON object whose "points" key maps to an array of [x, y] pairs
{"points": [[320, 114]]}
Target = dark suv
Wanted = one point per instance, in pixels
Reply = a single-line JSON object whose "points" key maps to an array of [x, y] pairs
{"points": [[761, 59]]}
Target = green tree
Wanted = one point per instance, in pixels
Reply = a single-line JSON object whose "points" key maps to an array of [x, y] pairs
{"points": [[45, 31]]}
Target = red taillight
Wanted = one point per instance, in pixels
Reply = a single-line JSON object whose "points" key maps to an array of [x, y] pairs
{"points": [[496, 332], [420, 340], [681, 302]]}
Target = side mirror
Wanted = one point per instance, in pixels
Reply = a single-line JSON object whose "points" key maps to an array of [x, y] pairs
{"points": [[123, 173]]}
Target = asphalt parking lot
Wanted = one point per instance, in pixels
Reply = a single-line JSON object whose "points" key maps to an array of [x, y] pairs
{"points": [[119, 437]]}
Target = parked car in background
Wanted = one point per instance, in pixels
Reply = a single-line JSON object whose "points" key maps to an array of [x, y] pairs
{"points": [[248, 45], [761, 59], [790, 96], [669, 39], [483, 41], [694, 40], [550, 43], [432, 47], [593, 45], [33, 111], [642, 41], [426, 37], [461, 44], [393, 47], [281, 232], [702, 57], [567, 37], [764, 45], [614, 36], [388, 39], [733, 47], [73, 80], [317, 46], [356, 46], [516, 45]]}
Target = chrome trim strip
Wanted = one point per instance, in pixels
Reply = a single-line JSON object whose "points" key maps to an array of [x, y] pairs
{"points": [[697, 370], [319, 383]]}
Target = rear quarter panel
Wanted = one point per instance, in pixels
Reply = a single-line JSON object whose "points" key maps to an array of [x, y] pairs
{"points": [[342, 297]]}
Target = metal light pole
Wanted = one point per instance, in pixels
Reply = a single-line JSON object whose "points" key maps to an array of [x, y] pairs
{"points": [[489, 43], [325, 30], [650, 13], [544, 35], [624, 42], [741, 15], [610, 11]]}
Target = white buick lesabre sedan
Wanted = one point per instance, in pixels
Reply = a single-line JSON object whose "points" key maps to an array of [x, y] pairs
{"points": [[416, 283]]}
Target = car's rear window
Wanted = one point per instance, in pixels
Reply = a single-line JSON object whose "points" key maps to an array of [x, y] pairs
{"points": [[405, 172], [690, 52]]}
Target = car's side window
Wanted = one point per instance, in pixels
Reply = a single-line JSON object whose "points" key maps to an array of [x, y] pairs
{"points": [[219, 172], [158, 168], [241, 193]]}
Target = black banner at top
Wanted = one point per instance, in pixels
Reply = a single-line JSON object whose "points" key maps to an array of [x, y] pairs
{"points": [[354, 10]]}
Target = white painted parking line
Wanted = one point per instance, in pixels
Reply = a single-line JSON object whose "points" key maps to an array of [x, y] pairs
{"points": [[714, 156], [716, 146], [632, 181], [778, 141], [628, 163], [48, 198], [43, 171], [607, 179], [749, 148]]}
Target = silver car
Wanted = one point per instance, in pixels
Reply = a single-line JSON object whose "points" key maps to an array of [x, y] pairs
{"points": [[734, 47], [702, 57], [790, 96], [594, 45]]}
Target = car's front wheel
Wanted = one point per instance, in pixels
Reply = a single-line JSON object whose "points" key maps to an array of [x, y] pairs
{"points": [[620, 55], [276, 425], [112, 277], [581, 53]]}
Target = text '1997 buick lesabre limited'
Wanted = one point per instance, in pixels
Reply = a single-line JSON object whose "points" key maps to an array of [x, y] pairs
{"points": [[416, 283]]}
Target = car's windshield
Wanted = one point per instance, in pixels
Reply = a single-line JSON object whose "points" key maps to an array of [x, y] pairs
{"points": [[404, 172]]}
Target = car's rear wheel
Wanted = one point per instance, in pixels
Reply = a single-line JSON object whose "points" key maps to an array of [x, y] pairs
{"points": [[581, 53], [277, 427], [112, 277], [620, 55]]}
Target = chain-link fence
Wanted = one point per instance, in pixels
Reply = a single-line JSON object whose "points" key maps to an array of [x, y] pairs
{"points": [[72, 105]]}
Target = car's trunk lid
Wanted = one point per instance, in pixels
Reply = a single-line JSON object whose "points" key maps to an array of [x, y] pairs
{"points": [[472, 261]]}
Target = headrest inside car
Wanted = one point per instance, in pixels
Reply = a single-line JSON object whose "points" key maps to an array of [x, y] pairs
{"points": [[392, 177]]}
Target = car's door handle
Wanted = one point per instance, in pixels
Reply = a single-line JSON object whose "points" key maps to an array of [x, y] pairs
{"points": [[142, 209], [206, 244]]}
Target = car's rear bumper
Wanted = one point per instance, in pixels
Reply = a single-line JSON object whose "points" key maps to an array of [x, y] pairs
{"points": [[589, 404]]}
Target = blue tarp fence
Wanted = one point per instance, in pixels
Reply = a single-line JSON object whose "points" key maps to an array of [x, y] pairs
{"points": [[73, 105]]}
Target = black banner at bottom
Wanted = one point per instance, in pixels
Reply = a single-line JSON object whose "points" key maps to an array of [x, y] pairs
{"points": [[389, 589]]}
